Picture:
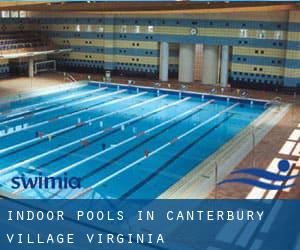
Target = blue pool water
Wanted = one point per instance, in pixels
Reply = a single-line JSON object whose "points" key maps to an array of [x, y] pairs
{"points": [[123, 142]]}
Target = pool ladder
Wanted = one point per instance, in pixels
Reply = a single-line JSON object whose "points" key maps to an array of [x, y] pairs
{"points": [[274, 102], [69, 77], [157, 85]]}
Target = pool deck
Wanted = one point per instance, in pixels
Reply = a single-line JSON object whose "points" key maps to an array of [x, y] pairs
{"points": [[281, 142]]}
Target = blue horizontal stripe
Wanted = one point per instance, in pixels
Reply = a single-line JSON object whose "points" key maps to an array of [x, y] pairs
{"points": [[232, 24], [250, 42], [246, 24], [7, 21], [115, 51], [293, 45], [120, 51], [268, 61], [255, 75], [81, 62], [257, 78], [292, 82], [259, 60], [292, 63], [106, 65], [295, 27]]}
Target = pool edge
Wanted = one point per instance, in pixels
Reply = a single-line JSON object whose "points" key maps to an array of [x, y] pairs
{"points": [[175, 91], [39, 92]]}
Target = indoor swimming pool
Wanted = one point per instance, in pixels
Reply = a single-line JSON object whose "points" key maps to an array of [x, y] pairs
{"points": [[121, 141]]}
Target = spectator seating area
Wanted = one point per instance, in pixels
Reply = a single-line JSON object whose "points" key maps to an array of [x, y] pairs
{"points": [[18, 42]]}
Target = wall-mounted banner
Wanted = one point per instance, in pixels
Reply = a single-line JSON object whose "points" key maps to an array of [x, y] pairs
{"points": [[150, 224]]}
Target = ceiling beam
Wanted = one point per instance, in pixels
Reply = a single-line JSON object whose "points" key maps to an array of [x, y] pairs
{"points": [[18, 5], [198, 11], [150, 8]]}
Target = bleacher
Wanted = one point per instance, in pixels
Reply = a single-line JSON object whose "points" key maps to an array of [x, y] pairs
{"points": [[19, 42]]}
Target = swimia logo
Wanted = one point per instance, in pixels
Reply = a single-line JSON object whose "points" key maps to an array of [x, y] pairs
{"points": [[44, 182], [267, 180]]}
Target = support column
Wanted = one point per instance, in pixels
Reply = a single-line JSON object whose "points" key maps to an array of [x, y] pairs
{"points": [[224, 66], [164, 62], [198, 62], [186, 63], [31, 67], [210, 64]]}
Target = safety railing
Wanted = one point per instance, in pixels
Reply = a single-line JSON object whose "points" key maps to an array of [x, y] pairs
{"points": [[69, 78]]}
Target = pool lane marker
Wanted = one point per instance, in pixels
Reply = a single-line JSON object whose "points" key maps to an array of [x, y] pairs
{"points": [[65, 88], [81, 124], [12, 112], [169, 161], [40, 105], [44, 111], [90, 188], [82, 110], [45, 164], [48, 104], [142, 133], [139, 144], [77, 125], [117, 126], [16, 165]]}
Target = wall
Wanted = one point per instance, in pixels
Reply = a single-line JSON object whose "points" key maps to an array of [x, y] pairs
{"points": [[265, 46], [292, 54]]}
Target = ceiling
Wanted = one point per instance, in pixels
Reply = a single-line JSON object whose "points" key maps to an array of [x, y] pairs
{"points": [[140, 7]]}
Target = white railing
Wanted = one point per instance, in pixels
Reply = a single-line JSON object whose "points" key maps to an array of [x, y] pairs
{"points": [[274, 102], [69, 77]]}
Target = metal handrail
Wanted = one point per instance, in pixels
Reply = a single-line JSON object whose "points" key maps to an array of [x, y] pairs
{"points": [[156, 85], [183, 87], [70, 77], [275, 101]]}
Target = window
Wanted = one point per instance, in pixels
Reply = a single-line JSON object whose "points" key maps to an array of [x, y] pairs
{"points": [[137, 29], [78, 27], [278, 35], [14, 14], [123, 29], [150, 29], [243, 33], [89, 28], [5, 14], [100, 29], [22, 14], [261, 34]]}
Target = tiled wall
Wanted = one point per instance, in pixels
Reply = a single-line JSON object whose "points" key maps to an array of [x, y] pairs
{"points": [[265, 46], [292, 59]]}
